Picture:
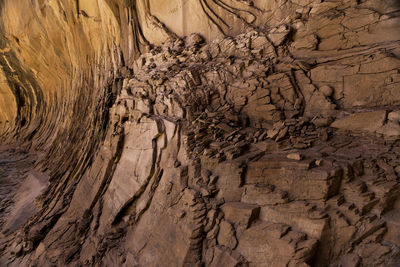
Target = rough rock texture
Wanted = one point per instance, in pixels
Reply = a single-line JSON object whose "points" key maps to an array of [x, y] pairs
{"points": [[200, 133]]}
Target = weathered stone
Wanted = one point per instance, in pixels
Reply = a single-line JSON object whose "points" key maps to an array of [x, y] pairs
{"points": [[326, 90], [295, 214], [359, 89], [321, 122], [282, 133], [308, 42], [226, 235], [350, 260], [263, 195], [265, 244], [368, 122], [225, 258], [278, 35], [302, 2], [240, 214], [397, 169], [390, 129], [295, 156], [194, 39], [317, 183], [154, 144], [318, 102], [394, 116]]}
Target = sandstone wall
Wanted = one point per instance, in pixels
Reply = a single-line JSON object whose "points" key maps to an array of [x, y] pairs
{"points": [[268, 138]]}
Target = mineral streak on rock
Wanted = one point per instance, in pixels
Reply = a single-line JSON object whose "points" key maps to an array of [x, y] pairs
{"points": [[200, 133]]}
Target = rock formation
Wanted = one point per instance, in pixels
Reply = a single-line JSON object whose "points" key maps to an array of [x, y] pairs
{"points": [[200, 133]]}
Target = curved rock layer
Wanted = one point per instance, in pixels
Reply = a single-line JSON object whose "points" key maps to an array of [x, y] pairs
{"points": [[200, 133]]}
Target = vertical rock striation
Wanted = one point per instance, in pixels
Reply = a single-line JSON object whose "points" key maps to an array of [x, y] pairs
{"points": [[200, 133]]}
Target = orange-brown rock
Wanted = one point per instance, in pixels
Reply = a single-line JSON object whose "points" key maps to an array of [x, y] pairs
{"points": [[199, 133]]}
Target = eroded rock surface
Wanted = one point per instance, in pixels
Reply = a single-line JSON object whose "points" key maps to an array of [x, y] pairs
{"points": [[270, 137]]}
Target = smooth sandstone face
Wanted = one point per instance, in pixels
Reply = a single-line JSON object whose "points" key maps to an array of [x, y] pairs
{"points": [[50, 54], [55, 42], [8, 111]]}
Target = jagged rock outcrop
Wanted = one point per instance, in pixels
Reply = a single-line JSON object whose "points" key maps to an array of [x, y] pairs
{"points": [[200, 133]]}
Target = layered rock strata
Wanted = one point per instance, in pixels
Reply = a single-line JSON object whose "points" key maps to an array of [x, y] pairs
{"points": [[269, 139]]}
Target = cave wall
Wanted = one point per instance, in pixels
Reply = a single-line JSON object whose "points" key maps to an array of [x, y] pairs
{"points": [[120, 97], [96, 36]]}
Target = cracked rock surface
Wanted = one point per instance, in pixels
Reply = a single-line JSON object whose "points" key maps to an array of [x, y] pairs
{"points": [[200, 133]]}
